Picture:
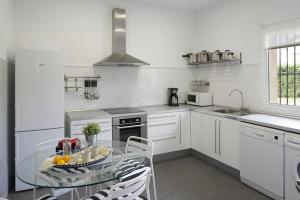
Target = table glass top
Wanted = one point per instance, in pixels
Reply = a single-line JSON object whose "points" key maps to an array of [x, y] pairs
{"points": [[32, 170]]}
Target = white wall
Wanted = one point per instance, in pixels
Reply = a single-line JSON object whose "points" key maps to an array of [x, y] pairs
{"points": [[236, 25], [5, 44], [5, 27], [82, 29]]}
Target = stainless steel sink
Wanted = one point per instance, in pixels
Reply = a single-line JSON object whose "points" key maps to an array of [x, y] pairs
{"points": [[240, 114], [232, 112], [226, 111]]}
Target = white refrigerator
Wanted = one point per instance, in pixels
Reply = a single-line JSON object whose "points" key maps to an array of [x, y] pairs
{"points": [[39, 103]]}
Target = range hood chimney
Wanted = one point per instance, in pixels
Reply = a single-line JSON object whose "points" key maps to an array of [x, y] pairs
{"points": [[119, 56]]}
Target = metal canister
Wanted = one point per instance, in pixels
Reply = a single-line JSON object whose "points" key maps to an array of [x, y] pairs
{"points": [[193, 58], [203, 56], [216, 56], [227, 55]]}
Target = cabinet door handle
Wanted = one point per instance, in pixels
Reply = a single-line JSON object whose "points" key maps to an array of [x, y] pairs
{"points": [[220, 138], [215, 136], [180, 130]]}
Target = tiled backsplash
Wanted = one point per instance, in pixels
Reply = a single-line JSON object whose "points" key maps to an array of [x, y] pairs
{"points": [[129, 86]]}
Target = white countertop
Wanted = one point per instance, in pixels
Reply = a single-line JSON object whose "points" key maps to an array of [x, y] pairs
{"points": [[272, 121], [98, 114], [277, 122], [87, 115]]}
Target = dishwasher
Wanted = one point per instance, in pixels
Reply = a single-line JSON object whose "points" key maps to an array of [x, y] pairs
{"points": [[262, 159]]}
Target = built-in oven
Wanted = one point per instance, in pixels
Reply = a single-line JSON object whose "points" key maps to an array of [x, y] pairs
{"points": [[126, 126]]}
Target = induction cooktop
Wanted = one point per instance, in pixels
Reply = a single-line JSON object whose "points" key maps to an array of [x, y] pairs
{"points": [[117, 111]]}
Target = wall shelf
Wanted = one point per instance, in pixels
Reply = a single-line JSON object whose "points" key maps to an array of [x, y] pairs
{"points": [[75, 80], [210, 63]]}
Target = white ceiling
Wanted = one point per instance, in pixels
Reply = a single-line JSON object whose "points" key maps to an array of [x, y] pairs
{"points": [[189, 5]]}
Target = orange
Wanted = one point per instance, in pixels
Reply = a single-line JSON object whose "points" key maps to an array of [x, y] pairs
{"points": [[66, 158], [61, 162], [57, 158]]}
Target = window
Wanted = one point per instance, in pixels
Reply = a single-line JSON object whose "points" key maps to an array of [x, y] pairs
{"points": [[284, 75]]}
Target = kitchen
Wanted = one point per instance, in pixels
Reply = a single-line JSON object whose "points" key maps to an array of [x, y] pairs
{"points": [[159, 34]]}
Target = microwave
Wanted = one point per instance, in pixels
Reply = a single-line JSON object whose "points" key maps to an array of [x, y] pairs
{"points": [[199, 98]]}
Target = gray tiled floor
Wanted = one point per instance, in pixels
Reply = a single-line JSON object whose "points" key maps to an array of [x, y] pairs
{"points": [[189, 178]]}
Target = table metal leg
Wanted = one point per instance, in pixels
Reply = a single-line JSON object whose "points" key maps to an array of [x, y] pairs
{"points": [[34, 193], [72, 194]]}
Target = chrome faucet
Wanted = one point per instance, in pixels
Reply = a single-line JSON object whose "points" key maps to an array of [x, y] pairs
{"points": [[243, 109]]}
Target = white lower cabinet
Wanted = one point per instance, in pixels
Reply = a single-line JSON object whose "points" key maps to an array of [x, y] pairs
{"points": [[75, 128], [169, 131], [229, 151], [216, 137], [203, 134]]}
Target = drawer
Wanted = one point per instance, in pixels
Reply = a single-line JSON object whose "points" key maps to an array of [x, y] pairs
{"points": [[105, 124], [162, 129], [162, 117], [167, 144], [163, 126], [104, 135], [80, 128], [79, 132], [102, 122]]}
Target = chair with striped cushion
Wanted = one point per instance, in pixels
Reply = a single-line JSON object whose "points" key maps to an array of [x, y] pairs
{"points": [[132, 186], [145, 147], [47, 197]]}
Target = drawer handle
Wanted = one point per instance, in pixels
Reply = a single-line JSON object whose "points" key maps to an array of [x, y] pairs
{"points": [[163, 124], [104, 131], [259, 135], [79, 124], [162, 117], [77, 133]]}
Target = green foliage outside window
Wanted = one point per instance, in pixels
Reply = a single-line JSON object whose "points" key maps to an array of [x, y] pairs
{"points": [[288, 80]]}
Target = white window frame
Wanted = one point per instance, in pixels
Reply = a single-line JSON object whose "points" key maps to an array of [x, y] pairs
{"points": [[289, 110], [283, 27]]}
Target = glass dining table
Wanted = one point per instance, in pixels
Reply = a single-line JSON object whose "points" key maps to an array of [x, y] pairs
{"points": [[32, 170]]}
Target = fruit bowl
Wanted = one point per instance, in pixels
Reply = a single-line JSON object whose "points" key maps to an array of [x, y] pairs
{"points": [[85, 157]]}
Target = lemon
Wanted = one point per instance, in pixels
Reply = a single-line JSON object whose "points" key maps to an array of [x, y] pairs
{"points": [[57, 158], [61, 162], [66, 158]]}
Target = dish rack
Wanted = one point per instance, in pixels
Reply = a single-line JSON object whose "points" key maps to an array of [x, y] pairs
{"points": [[88, 83]]}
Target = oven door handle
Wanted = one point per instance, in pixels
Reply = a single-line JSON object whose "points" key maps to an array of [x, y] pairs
{"points": [[133, 126]]}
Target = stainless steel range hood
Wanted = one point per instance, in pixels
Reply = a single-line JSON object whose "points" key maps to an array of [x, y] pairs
{"points": [[119, 56]]}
